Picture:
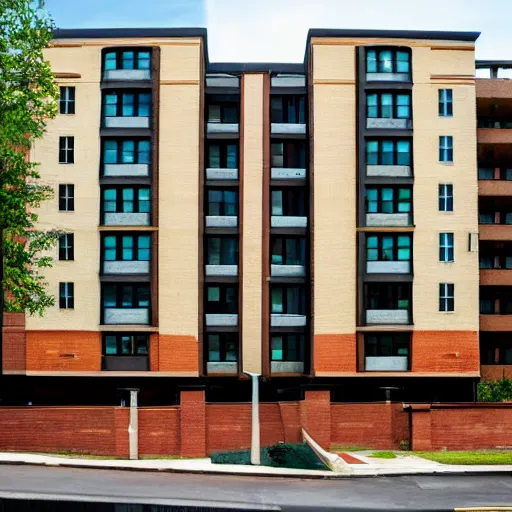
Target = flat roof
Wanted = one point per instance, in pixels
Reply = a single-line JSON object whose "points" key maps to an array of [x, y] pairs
{"points": [[91, 33], [256, 67], [493, 64]]}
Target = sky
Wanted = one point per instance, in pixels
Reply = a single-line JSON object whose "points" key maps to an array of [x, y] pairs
{"points": [[275, 30]]}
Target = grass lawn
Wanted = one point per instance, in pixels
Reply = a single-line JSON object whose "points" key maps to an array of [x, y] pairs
{"points": [[336, 448], [476, 457], [383, 455]]}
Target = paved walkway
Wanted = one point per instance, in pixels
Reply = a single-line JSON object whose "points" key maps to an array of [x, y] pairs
{"points": [[402, 465]]}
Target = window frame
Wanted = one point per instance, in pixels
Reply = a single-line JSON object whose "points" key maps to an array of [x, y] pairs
{"points": [[67, 96], [119, 344], [445, 192], [298, 106], [395, 341], [66, 295], [119, 58], [67, 149], [66, 197], [119, 104], [294, 153], [224, 102], [396, 201], [66, 247], [380, 153], [223, 340], [223, 205], [394, 294], [394, 104], [223, 153], [120, 151], [446, 294], [394, 59], [223, 293], [300, 249], [445, 102], [119, 200], [292, 203], [395, 237], [301, 301], [120, 288], [118, 248], [286, 342], [446, 149], [225, 240], [446, 247]]}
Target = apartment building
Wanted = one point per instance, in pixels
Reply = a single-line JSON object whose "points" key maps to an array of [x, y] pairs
{"points": [[316, 223]]}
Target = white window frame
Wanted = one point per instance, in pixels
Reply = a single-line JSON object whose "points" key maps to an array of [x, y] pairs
{"points": [[65, 100], [445, 295], [446, 244], [445, 146], [444, 101], [444, 195]]}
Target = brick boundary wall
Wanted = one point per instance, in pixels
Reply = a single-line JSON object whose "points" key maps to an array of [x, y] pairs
{"points": [[197, 428]]}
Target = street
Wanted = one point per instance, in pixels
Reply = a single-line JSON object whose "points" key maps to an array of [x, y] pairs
{"points": [[250, 493]]}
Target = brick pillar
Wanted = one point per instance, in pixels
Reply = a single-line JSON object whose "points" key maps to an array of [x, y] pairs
{"points": [[121, 423], [192, 423], [421, 428], [315, 416]]}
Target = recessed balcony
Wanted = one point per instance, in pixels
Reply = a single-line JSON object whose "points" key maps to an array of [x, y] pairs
{"points": [[387, 316], [127, 122], [391, 171], [496, 232], [126, 267], [126, 219], [127, 74], [286, 320], [282, 221], [127, 316], [388, 219], [126, 170], [387, 364]]}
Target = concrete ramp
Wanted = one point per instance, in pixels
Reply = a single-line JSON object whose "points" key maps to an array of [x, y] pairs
{"points": [[331, 460]]}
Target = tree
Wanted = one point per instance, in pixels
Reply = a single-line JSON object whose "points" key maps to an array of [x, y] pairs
{"points": [[28, 98]]}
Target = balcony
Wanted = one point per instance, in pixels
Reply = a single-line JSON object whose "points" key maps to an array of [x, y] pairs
{"points": [[287, 270], [126, 219], [127, 122], [288, 80], [496, 323], [221, 221], [388, 123], [221, 320], [387, 364], [281, 173], [388, 77], [282, 221], [221, 128], [126, 267], [496, 277], [222, 368], [288, 128], [221, 174], [287, 367], [496, 232], [496, 371], [389, 171], [388, 267], [387, 316], [222, 80], [125, 363], [128, 316], [127, 74], [126, 170], [221, 270], [286, 320], [388, 219]]}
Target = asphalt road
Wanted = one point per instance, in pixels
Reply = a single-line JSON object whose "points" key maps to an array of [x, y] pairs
{"points": [[254, 493]]}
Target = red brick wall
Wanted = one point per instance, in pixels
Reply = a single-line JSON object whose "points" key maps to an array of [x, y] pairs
{"points": [[14, 342], [159, 429], [315, 416], [445, 351], [290, 417], [193, 424], [63, 351], [495, 371], [370, 425], [52, 429], [334, 353], [421, 428], [178, 353]]}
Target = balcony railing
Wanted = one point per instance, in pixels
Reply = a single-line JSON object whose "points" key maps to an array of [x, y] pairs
{"points": [[388, 267], [126, 170], [388, 219], [127, 122], [221, 128], [221, 173], [221, 270], [388, 123], [287, 320], [126, 219], [387, 316], [287, 367], [284, 221], [288, 128], [284, 173], [126, 267], [221, 319], [221, 221], [127, 74], [287, 270], [125, 363], [387, 364], [222, 367], [127, 316], [391, 171]]}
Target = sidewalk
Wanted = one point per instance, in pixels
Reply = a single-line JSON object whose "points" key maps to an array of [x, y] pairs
{"points": [[402, 465]]}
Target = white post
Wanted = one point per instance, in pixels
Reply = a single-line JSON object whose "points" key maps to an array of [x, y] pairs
{"points": [[133, 428], [255, 426]]}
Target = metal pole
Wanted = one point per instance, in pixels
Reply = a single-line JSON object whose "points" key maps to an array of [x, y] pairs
{"points": [[133, 428], [255, 426]]}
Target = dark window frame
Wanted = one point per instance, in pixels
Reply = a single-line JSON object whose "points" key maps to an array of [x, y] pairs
{"points": [[67, 99], [119, 198], [446, 247], [67, 149], [120, 288], [66, 295], [394, 60], [119, 57], [395, 202], [445, 191], [298, 105], [119, 344], [394, 105], [223, 153], [294, 153], [380, 153], [67, 247], [223, 292], [395, 248], [119, 245], [292, 197], [446, 151], [446, 297], [379, 345], [286, 339], [224, 340], [300, 249], [223, 209], [66, 197], [121, 93], [302, 306], [223, 251], [445, 108], [224, 102], [394, 293], [119, 150]]}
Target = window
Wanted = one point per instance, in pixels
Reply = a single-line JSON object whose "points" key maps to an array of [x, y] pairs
{"points": [[388, 200], [66, 150], [221, 299], [222, 155], [119, 247], [388, 248], [388, 152], [222, 202], [446, 247], [222, 250], [387, 60], [446, 297], [445, 102], [67, 198], [66, 247], [288, 300], [223, 109], [486, 218], [66, 295], [67, 100], [486, 173], [446, 148], [126, 151], [446, 198], [487, 306], [288, 108], [125, 344], [387, 296], [287, 347], [386, 345], [289, 155], [222, 347], [127, 104], [126, 200], [127, 59], [288, 250], [131, 296], [288, 202], [388, 105]]}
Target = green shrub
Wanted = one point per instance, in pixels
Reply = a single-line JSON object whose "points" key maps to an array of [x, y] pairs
{"points": [[383, 455], [495, 391], [404, 445], [281, 455]]}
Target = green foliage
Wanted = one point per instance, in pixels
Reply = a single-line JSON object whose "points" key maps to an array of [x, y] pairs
{"points": [[281, 455], [495, 391], [28, 98], [383, 455], [491, 457], [404, 445]]}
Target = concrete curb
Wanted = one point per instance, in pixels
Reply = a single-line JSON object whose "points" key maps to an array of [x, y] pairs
{"points": [[323, 476]]}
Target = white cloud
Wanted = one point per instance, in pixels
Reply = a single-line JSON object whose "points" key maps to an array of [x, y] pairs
{"points": [[276, 30]]}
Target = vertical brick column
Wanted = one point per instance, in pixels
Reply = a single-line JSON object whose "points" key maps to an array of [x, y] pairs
{"points": [[421, 428], [315, 416], [193, 423]]}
